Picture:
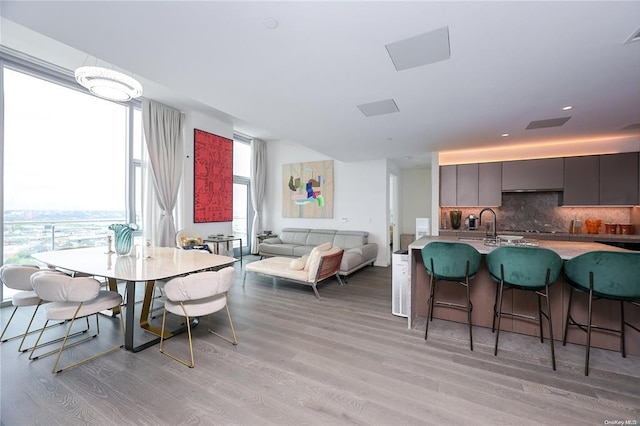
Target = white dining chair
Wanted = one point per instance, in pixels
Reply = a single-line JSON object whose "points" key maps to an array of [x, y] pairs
{"points": [[197, 295], [18, 277], [70, 299]]}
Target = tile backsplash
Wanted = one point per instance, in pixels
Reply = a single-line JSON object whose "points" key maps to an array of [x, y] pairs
{"points": [[540, 211]]}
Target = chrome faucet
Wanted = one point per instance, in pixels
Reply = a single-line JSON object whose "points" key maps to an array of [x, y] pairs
{"points": [[495, 221]]}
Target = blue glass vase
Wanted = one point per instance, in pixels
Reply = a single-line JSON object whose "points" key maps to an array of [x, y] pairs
{"points": [[123, 236]]}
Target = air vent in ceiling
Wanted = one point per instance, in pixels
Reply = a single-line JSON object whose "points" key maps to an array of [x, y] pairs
{"points": [[634, 37], [371, 109], [550, 122], [420, 50], [634, 126]]}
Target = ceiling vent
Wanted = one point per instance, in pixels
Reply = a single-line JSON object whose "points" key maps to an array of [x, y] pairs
{"points": [[550, 122], [634, 37], [372, 109], [420, 50]]}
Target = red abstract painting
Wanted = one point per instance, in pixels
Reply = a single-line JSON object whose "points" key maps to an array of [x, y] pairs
{"points": [[212, 178]]}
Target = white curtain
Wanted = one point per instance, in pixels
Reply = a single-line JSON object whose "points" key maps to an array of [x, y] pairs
{"points": [[163, 133], [258, 183]]}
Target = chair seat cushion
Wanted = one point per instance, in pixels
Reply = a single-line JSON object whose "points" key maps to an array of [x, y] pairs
{"points": [[199, 307], [66, 310], [25, 298]]}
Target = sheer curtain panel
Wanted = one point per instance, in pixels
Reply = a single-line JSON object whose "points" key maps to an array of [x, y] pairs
{"points": [[258, 183], [165, 144]]}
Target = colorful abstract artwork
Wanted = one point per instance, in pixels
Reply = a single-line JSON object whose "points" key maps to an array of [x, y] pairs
{"points": [[308, 189], [212, 178]]}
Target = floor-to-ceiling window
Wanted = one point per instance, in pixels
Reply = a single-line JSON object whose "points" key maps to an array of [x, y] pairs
{"points": [[242, 207], [71, 163]]}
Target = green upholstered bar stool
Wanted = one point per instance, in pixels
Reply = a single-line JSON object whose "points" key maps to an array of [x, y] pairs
{"points": [[454, 262], [603, 275], [524, 268]]}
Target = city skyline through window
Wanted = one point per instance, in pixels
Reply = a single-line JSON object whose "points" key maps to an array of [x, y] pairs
{"points": [[65, 165]]}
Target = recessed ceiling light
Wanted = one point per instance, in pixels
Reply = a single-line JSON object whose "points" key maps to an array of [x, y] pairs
{"points": [[270, 23], [567, 108], [504, 135]]}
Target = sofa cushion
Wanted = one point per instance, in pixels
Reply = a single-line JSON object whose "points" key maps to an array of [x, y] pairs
{"points": [[302, 251], [298, 263], [350, 239], [281, 249], [279, 267], [320, 236], [314, 256], [295, 236], [351, 259], [315, 263]]}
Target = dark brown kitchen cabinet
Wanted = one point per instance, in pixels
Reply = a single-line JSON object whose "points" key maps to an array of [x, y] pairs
{"points": [[533, 175], [582, 181], [448, 183], [619, 179]]}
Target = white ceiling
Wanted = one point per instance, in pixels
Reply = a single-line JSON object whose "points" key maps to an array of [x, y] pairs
{"points": [[510, 63]]}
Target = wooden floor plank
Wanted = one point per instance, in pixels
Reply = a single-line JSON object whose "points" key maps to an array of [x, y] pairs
{"points": [[342, 360]]}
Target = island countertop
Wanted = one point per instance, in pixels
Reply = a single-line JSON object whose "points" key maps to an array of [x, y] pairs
{"points": [[565, 249], [483, 290]]}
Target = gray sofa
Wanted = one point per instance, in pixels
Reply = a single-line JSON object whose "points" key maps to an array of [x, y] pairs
{"points": [[296, 242]]}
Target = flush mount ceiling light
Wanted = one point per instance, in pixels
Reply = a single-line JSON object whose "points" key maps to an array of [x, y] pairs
{"points": [[108, 84]]}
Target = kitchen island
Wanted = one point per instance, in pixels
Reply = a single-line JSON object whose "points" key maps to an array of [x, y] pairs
{"points": [[483, 290]]}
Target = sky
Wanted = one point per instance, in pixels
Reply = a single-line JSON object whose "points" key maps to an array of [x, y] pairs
{"points": [[64, 149]]}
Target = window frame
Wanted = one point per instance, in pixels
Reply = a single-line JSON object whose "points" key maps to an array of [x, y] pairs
{"points": [[19, 62]]}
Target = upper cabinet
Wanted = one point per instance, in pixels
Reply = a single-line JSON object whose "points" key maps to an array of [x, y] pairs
{"points": [[619, 179], [448, 183], [467, 185], [582, 181], [533, 175], [490, 184], [594, 180], [471, 185]]}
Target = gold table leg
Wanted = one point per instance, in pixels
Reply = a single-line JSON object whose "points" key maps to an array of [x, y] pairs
{"points": [[146, 308], [113, 286]]}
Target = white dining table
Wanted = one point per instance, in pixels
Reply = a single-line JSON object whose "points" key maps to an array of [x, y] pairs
{"points": [[155, 263]]}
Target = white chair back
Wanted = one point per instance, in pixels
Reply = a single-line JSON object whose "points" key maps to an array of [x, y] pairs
{"points": [[187, 234], [56, 287], [18, 277], [200, 285]]}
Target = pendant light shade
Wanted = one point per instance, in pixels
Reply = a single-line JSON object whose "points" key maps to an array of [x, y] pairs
{"points": [[108, 84]]}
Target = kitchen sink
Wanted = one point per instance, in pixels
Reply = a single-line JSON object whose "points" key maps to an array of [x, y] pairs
{"points": [[497, 242]]}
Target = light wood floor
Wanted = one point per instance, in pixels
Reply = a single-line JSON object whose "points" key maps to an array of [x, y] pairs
{"points": [[339, 361]]}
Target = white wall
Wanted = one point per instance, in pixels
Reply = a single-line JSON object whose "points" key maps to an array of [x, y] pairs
{"points": [[195, 120], [415, 193], [360, 190]]}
